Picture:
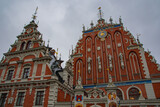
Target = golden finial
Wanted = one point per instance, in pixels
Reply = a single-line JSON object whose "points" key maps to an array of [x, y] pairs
{"points": [[100, 12], [34, 15]]}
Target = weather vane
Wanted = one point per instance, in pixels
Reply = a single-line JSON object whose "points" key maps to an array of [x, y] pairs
{"points": [[34, 15], [100, 13]]}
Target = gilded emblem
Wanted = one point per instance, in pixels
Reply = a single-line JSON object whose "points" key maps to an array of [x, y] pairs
{"points": [[102, 34]]}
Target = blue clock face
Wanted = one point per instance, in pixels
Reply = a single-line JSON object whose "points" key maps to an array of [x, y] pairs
{"points": [[102, 34]]}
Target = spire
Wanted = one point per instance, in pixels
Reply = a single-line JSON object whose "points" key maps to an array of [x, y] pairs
{"points": [[120, 20], [100, 13], [83, 27], [34, 15], [138, 38], [72, 49], [48, 43], [92, 24], [111, 20]]}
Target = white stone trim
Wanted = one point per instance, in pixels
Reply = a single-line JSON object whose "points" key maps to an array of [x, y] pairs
{"points": [[36, 90], [150, 91], [155, 81], [34, 70], [27, 60], [144, 62], [18, 71], [17, 97], [118, 60], [13, 62], [43, 70], [3, 72]]}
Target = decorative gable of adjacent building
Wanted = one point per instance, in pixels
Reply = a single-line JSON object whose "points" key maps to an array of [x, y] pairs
{"points": [[26, 76]]}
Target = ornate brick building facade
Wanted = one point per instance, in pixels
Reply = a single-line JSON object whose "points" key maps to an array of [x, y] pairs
{"points": [[26, 78], [107, 68]]}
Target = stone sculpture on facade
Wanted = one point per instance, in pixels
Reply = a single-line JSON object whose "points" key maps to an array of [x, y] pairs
{"points": [[110, 62], [56, 66], [121, 60]]}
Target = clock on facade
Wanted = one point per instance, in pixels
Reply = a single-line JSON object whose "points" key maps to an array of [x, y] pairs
{"points": [[102, 34]]}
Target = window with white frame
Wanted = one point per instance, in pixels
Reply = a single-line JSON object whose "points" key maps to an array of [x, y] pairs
{"points": [[2, 99], [20, 99], [39, 98], [10, 74], [26, 73]]}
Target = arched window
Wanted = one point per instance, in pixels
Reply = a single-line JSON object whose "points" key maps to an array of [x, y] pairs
{"points": [[22, 46], [119, 94], [28, 45], [134, 94]]}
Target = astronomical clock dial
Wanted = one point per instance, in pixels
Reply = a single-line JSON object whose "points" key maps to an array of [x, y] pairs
{"points": [[102, 34]]}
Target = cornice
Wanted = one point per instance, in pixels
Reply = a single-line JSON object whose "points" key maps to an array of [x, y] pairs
{"points": [[27, 82], [25, 51], [140, 101], [108, 26], [28, 35], [42, 58]]}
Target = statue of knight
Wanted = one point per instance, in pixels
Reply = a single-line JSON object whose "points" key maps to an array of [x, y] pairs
{"points": [[56, 65]]}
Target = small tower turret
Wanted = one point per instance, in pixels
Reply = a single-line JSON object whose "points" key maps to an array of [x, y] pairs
{"points": [[111, 20]]}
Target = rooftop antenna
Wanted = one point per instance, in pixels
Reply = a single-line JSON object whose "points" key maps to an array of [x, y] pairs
{"points": [[34, 15]]}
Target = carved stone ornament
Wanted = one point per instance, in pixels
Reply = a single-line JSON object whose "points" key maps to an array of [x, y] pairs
{"points": [[99, 63], [110, 62], [89, 64], [121, 60], [10, 100], [79, 85]]}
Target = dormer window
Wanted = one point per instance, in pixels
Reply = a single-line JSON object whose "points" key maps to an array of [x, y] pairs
{"points": [[22, 46], [28, 45]]}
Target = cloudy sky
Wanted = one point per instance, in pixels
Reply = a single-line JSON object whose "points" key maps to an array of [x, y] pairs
{"points": [[61, 21]]}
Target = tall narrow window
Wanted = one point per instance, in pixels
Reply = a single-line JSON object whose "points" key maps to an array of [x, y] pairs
{"points": [[39, 98], [22, 46], [134, 94], [20, 99], [28, 45], [25, 73], [119, 94], [10, 73], [2, 99]]}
